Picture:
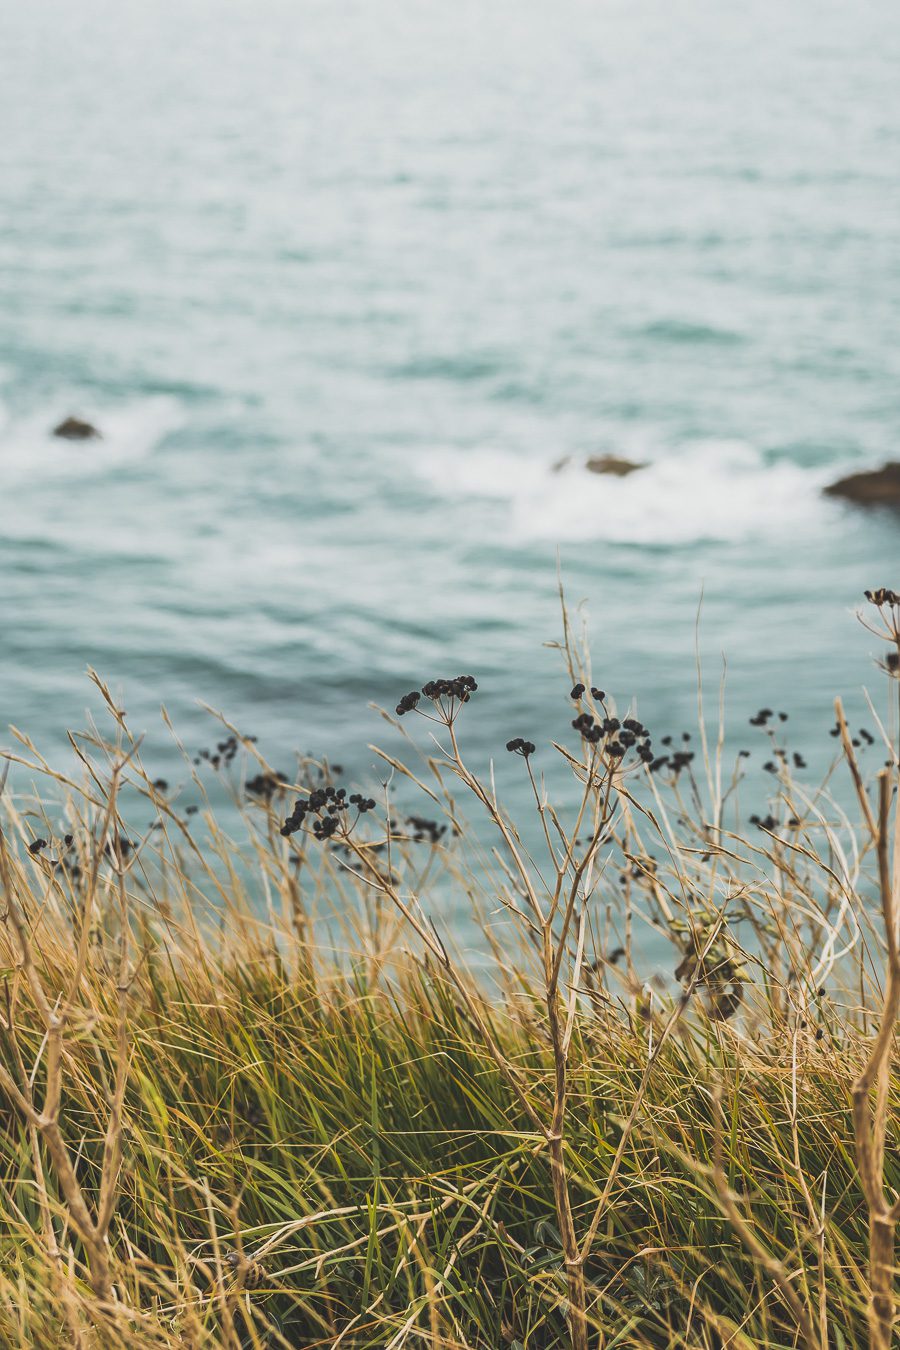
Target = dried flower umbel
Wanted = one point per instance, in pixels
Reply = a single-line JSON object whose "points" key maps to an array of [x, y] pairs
{"points": [[444, 694], [886, 626]]}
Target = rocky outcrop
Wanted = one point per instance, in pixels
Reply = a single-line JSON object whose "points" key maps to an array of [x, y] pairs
{"points": [[874, 487], [74, 429], [613, 465]]}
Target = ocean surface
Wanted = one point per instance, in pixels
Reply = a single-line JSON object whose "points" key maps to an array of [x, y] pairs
{"points": [[342, 283]]}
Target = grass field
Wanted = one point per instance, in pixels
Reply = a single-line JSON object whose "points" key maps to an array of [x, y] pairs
{"points": [[251, 1096]]}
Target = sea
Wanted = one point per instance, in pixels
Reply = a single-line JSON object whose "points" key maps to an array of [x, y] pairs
{"points": [[353, 291]]}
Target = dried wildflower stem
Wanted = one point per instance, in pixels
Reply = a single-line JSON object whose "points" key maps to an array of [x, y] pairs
{"points": [[855, 774], [112, 1144], [870, 1127]]}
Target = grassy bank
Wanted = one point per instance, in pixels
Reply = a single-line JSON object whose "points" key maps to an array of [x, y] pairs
{"points": [[228, 1120]]}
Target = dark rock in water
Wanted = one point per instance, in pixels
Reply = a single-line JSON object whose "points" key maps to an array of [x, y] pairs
{"points": [[74, 429], [613, 465], [875, 487]]}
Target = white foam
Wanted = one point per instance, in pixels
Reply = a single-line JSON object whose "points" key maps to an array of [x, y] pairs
{"points": [[30, 452], [710, 490]]}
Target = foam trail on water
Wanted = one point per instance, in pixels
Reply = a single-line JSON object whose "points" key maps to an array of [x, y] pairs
{"points": [[709, 490]]}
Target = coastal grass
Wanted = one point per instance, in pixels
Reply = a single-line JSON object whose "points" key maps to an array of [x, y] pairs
{"points": [[251, 1096]]}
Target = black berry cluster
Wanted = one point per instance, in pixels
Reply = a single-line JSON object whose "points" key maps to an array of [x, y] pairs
{"points": [[517, 746]]}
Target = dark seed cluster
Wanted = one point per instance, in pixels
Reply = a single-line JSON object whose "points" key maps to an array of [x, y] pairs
{"points": [[882, 597], [765, 715], [862, 738], [617, 737], [223, 754], [264, 785], [66, 855], [328, 808], [675, 761], [598, 695], [519, 747], [424, 829], [120, 847], [458, 690], [462, 687]]}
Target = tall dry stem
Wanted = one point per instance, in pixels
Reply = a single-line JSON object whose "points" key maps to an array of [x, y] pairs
{"points": [[870, 1126]]}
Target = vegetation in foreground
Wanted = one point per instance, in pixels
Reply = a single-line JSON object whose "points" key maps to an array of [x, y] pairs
{"points": [[216, 1131]]}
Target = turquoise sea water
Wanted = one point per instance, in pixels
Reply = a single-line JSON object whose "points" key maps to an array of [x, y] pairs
{"points": [[342, 283]]}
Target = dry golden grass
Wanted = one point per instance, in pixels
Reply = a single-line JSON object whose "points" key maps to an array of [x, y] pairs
{"points": [[220, 1130]]}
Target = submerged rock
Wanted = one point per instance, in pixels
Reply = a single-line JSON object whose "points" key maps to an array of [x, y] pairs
{"points": [[74, 429], [873, 487], [612, 464]]}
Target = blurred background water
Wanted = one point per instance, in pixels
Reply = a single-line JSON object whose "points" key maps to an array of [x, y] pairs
{"points": [[340, 285]]}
